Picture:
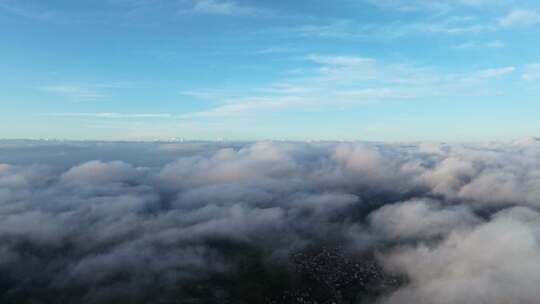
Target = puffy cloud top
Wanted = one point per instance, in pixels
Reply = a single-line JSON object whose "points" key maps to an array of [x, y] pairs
{"points": [[275, 222]]}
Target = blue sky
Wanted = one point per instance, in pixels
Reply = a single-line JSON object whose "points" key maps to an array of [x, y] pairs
{"points": [[390, 70]]}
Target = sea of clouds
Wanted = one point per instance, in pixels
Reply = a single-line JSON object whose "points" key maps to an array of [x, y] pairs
{"points": [[199, 222]]}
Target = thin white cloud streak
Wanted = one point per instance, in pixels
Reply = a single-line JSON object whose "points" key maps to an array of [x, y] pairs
{"points": [[74, 91], [341, 60], [410, 5], [336, 82], [353, 30], [84, 91], [276, 50], [532, 72], [129, 12], [496, 44], [346, 81], [447, 21], [440, 6], [520, 18], [248, 105], [112, 115], [493, 73], [28, 12], [222, 7]]}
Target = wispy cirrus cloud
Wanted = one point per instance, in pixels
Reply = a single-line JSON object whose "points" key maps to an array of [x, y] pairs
{"points": [[111, 115], [352, 30], [84, 91], [466, 18], [223, 7], [493, 73], [127, 11], [520, 18], [438, 6], [28, 11], [532, 72], [251, 104], [496, 44], [77, 92], [412, 5], [339, 81]]}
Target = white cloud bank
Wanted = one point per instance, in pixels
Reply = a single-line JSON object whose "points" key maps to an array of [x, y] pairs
{"points": [[426, 223]]}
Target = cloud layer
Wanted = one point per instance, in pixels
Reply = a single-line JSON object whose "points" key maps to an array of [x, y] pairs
{"points": [[273, 223]]}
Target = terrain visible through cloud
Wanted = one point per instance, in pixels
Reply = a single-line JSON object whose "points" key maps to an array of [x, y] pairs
{"points": [[269, 222]]}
